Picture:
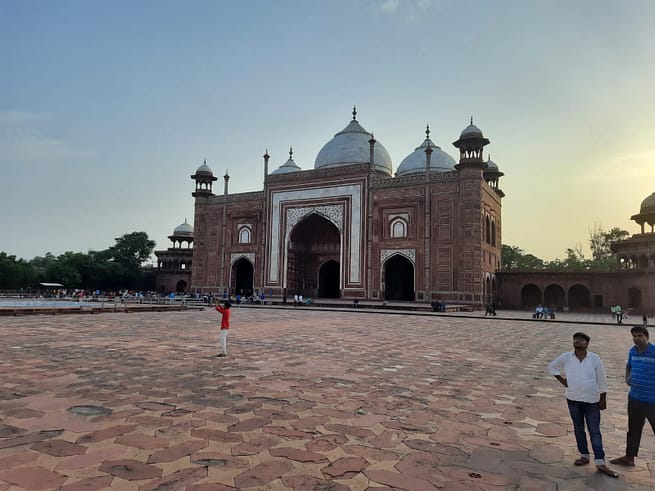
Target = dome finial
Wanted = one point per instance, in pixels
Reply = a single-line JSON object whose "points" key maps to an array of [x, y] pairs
{"points": [[354, 113], [471, 119], [427, 131], [205, 161], [291, 153]]}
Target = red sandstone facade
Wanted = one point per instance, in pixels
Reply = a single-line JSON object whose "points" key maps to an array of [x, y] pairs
{"points": [[348, 229]]}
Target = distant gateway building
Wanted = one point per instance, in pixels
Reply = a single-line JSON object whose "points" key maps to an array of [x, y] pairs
{"points": [[349, 229]]}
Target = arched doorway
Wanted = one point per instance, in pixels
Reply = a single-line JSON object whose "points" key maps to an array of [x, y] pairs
{"points": [[181, 286], [242, 277], [530, 295], [554, 296], [579, 297], [634, 298], [398, 278], [328, 280], [313, 242]]}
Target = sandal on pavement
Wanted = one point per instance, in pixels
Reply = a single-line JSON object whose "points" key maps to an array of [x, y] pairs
{"points": [[581, 461], [607, 471], [623, 461]]}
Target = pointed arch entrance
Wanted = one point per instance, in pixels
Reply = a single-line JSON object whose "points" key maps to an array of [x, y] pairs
{"points": [[328, 280], [398, 278], [242, 277], [181, 286], [313, 255]]}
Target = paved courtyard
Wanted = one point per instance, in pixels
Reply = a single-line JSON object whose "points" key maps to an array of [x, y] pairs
{"points": [[306, 400]]}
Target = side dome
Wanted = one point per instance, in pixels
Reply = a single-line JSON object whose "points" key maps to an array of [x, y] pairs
{"points": [[204, 170], [288, 166], [183, 229], [471, 131], [648, 205], [351, 146], [414, 163]]}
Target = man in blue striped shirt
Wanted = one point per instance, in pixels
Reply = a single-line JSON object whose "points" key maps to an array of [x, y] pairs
{"points": [[640, 376]]}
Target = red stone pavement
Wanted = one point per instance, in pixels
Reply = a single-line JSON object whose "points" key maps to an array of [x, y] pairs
{"points": [[305, 400]]}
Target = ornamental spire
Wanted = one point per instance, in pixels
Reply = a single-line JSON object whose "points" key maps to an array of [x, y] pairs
{"points": [[427, 131], [354, 113], [290, 153]]}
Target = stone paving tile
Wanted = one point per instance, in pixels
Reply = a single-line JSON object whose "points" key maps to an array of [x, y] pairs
{"points": [[306, 400]]}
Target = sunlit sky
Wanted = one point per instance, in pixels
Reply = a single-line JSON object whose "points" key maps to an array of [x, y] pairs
{"points": [[107, 108]]}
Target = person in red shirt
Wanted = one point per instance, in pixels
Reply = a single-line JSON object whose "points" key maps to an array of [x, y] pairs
{"points": [[225, 325]]}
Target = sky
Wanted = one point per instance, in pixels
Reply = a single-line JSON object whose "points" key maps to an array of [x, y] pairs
{"points": [[107, 108]]}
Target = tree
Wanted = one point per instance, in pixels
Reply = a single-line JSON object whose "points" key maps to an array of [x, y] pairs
{"points": [[132, 249], [513, 257], [117, 267], [574, 261], [15, 273], [600, 242]]}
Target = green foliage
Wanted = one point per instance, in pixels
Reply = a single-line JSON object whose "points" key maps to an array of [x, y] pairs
{"points": [[600, 242], [602, 258], [15, 273], [114, 268], [514, 258]]}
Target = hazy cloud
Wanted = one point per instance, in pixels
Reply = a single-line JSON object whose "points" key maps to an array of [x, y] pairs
{"points": [[21, 141], [11, 118], [412, 6], [631, 166]]}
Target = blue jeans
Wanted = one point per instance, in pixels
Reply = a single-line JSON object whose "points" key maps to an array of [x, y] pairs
{"points": [[589, 412]]}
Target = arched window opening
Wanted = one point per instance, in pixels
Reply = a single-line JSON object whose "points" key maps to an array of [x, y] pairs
{"points": [[244, 235], [487, 230], [398, 228], [493, 233]]}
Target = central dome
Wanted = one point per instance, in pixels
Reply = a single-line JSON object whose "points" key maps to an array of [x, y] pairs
{"points": [[351, 146]]}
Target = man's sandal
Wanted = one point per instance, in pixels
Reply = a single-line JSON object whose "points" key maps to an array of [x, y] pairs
{"points": [[581, 461], [607, 471]]}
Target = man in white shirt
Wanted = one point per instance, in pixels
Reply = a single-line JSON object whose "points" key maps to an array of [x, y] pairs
{"points": [[586, 395]]}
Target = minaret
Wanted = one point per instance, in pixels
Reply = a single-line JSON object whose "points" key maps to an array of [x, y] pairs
{"points": [[204, 178], [222, 279], [266, 157], [470, 144]]}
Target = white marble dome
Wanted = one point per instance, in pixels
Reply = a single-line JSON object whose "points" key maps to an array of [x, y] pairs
{"points": [[183, 229], [204, 170], [414, 163], [648, 205], [351, 146], [471, 131], [288, 166]]}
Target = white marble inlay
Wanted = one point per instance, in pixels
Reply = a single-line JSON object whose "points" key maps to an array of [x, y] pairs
{"points": [[235, 256], [408, 253], [277, 250], [333, 213]]}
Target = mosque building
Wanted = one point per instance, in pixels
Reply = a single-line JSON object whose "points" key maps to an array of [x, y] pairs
{"points": [[350, 228]]}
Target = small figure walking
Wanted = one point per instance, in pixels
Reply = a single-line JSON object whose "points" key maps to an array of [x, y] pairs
{"points": [[225, 325]]}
